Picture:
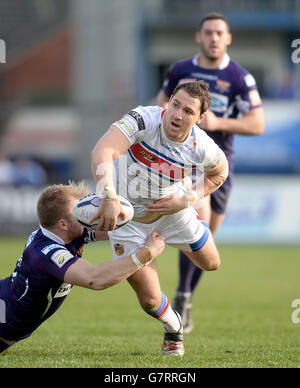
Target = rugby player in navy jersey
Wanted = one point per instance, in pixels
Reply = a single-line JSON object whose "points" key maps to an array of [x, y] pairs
{"points": [[236, 109], [51, 263]]}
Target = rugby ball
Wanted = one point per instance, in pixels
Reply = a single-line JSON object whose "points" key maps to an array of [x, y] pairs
{"points": [[85, 209]]}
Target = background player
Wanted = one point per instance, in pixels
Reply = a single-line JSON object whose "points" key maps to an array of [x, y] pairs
{"points": [[236, 109], [51, 263], [161, 148]]}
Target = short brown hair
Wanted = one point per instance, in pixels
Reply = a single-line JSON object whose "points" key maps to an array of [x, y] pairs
{"points": [[197, 89], [52, 203], [213, 16]]}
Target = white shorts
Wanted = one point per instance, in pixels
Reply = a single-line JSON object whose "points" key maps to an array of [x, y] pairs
{"points": [[183, 230]]}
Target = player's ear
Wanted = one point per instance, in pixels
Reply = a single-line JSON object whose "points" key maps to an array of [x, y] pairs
{"points": [[197, 37], [229, 39], [62, 224], [201, 117]]}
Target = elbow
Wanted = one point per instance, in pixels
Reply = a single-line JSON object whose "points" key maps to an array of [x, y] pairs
{"points": [[98, 286], [259, 128], [102, 284]]}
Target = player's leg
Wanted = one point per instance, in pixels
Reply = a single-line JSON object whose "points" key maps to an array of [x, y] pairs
{"points": [[216, 220], [207, 257], [214, 216], [188, 271], [189, 276], [145, 283]]}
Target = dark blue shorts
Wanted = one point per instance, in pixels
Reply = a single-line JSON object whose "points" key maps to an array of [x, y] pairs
{"points": [[219, 199]]}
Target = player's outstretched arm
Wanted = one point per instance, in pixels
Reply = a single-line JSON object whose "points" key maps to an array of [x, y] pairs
{"points": [[106, 274], [109, 148]]}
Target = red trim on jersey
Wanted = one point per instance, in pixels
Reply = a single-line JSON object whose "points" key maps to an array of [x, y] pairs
{"points": [[156, 163], [163, 112]]}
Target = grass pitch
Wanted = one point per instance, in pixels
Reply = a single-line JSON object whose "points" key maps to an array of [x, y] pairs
{"points": [[242, 315]]}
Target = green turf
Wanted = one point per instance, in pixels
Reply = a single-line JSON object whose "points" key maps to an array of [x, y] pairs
{"points": [[242, 315]]}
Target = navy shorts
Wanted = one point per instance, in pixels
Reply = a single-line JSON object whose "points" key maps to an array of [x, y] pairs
{"points": [[219, 199]]}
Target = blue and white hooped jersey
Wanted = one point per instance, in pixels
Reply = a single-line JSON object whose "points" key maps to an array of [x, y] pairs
{"points": [[154, 166]]}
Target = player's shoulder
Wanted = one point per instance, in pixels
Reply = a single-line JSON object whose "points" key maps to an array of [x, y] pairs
{"points": [[147, 109], [242, 73], [201, 138], [185, 61], [144, 115], [235, 67], [182, 63], [198, 132], [40, 246]]}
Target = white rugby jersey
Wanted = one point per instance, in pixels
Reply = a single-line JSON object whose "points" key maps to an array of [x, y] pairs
{"points": [[154, 166]]}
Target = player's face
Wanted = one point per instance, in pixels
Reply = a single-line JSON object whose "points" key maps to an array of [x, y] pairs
{"points": [[74, 229], [213, 38], [182, 114]]}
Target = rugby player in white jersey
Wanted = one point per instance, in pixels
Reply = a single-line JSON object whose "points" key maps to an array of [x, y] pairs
{"points": [[157, 150]]}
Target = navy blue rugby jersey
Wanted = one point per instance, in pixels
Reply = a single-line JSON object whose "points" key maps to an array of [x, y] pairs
{"points": [[36, 289], [233, 91]]}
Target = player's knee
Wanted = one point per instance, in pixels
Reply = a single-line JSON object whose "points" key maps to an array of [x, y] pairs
{"points": [[212, 265]]}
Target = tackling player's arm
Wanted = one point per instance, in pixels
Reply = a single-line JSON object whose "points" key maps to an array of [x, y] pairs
{"points": [[106, 274], [109, 148]]}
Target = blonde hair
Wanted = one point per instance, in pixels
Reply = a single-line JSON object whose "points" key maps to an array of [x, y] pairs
{"points": [[53, 203]]}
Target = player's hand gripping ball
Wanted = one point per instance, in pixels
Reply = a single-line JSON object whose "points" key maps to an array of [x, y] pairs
{"points": [[85, 209]]}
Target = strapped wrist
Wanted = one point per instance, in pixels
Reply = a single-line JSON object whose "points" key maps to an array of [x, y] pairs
{"points": [[191, 197], [151, 258], [136, 261], [112, 199], [109, 192]]}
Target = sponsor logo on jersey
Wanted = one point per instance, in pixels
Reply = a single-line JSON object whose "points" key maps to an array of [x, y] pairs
{"points": [[148, 156], [63, 290], [185, 80], [254, 97], [61, 256], [49, 248], [119, 249], [171, 149], [31, 238], [200, 76], [138, 118], [160, 163], [219, 103], [223, 86], [249, 80], [127, 127]]}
